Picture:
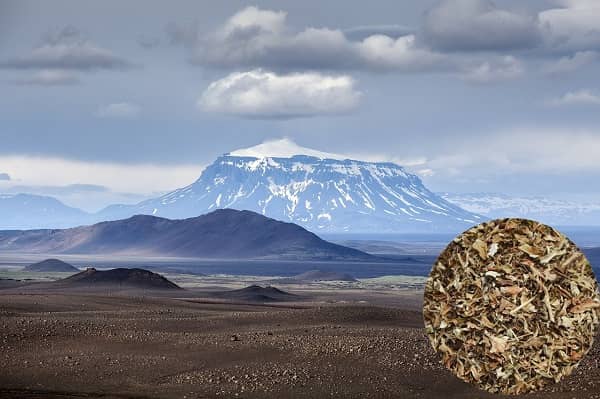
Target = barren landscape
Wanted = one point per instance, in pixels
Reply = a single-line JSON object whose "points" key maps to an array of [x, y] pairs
{"points": [[343, 342], [233, 199]]}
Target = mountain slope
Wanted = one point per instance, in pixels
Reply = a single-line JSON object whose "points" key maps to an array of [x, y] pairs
{"points": [[138, 278], [256, 293], [51, 265], [224, 233], [320, 191], [28, 211]]}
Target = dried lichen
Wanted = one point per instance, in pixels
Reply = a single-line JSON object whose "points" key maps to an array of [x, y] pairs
{"points": [[511, 305]]}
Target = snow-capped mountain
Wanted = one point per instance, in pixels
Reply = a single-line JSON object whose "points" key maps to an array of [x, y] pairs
{"points": [[320, 191], [550, 211]]}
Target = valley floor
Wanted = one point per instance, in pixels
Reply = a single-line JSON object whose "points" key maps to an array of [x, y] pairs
{"points": [[99, 345]]}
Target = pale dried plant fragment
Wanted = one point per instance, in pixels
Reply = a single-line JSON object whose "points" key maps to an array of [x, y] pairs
{"points": [[499, 344], [493, 249], [481, 248], [584, 306]]}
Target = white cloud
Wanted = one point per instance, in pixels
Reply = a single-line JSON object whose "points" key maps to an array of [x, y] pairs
{"points": [[474, 25], [254, 19], [553, 151], [456, 35], [255, 38], [573, 27], [571, 63], [480, 25], [486, 157], [502, 69], [579, 97], [50, 77], [119, 111], [262, 94], [403, 53], [363, 31], [425, 172], [118, 177], [282, 148], [67, 49]]}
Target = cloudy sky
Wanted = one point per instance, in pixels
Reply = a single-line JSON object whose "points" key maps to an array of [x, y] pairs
{"points": [[117, 101]]}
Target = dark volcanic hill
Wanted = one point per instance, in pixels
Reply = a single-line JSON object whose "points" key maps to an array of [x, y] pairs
{"points": [[224, 233], [51, 265], [135, 278], [256, 293]]}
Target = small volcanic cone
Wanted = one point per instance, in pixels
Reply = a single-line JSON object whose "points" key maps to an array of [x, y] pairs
{"points": [[135, 278]]}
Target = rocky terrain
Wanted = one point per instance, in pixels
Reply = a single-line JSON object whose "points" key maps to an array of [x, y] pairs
{"points": [[90, 345]]}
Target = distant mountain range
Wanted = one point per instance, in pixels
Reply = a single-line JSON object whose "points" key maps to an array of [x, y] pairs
{"points": [[549, 211], [320, 191], [221, 234], [323, 192], [28, 211], [51, 265]]}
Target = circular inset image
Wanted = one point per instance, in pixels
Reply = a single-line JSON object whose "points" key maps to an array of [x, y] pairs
{"points": [[511, 305]]}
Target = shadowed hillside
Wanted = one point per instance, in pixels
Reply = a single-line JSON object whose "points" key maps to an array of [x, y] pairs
{"points": [[121, 277], [224, 233], [51, 265]]}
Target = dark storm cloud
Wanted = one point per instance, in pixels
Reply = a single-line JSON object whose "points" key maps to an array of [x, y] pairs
{"points": [[478, 25], [67, 48]]}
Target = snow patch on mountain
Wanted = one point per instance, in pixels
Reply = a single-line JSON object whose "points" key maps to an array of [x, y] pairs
{"points": [[320, 191], [282, 148]]}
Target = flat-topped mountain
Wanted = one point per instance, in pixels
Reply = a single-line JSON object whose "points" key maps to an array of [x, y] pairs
{"points": [[322, 192], [224, 233], [319, 191], [51, 265], [121, 277]]}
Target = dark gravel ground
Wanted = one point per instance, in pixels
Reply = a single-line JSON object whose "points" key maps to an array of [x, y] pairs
{"points": [[74, 345]]}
